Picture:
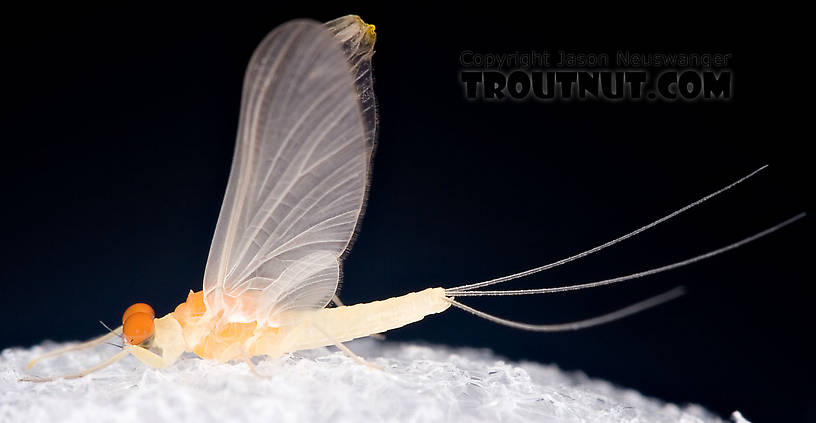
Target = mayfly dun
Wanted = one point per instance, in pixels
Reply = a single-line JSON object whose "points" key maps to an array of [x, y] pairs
{"points": [[295, 196]]}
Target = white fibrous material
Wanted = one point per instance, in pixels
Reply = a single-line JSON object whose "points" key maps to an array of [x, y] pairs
{"points": [[419, 383]]}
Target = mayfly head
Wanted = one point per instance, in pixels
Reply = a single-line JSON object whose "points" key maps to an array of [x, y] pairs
{"points": [[137, 323]]}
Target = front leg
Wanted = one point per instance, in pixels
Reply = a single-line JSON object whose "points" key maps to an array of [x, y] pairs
{"points": [[87, 344], [167, 338], [150, 358]]}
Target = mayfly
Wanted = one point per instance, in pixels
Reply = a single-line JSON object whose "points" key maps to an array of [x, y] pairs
{"points": [[296, 194]]}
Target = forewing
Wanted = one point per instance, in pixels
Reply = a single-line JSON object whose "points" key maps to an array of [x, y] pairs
{"points": [[299, 175]]}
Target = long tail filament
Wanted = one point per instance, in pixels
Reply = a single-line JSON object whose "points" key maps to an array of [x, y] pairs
{"points": [[471, 290]]}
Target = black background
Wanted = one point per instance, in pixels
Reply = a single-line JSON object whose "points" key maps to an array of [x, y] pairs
{"points": [[119, 126]]}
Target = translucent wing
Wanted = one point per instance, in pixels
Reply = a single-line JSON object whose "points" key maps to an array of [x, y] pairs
{"points": [[299, 176]]}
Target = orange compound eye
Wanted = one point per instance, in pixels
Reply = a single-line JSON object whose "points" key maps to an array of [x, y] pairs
{"points": [[137, 328], [138, 308]]}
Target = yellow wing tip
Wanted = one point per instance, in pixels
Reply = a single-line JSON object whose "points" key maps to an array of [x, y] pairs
{"points": [[371, 30], [354, 28]]}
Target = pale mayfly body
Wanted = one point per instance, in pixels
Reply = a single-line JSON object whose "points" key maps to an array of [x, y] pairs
{"points": [[295, 197]]}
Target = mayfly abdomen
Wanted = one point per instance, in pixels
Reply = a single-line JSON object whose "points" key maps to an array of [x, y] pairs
{"points": [[324, 327]]}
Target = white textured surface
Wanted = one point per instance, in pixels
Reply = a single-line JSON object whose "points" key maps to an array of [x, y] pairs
{"points": [[421, 383]]}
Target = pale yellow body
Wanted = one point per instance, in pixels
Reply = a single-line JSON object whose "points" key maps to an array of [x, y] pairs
{"points": [[300, 330], [345, 323]]}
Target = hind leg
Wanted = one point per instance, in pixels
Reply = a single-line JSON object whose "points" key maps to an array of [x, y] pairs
{"points": [[346, 350]]}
